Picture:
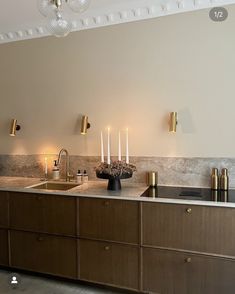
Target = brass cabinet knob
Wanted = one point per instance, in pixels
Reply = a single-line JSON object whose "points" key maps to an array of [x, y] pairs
{"points": [[39, 197], [189, 210], [188, 259], [106, 203], [40, 239], [106, 248]]}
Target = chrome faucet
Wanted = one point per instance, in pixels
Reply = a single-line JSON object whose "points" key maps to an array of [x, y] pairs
{"points": [[67, 175]]}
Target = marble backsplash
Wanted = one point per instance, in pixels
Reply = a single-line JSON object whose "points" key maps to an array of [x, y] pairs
{"points": [[171, 170]]}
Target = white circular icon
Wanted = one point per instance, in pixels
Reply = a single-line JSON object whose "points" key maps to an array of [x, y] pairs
{"points": [[14, 280]]}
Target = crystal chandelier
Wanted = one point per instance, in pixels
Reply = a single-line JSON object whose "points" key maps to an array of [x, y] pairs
{"points": [[58, 23]]}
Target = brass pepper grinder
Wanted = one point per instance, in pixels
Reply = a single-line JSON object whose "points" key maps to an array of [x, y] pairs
{"points": [[214, 179], [224, 179]]}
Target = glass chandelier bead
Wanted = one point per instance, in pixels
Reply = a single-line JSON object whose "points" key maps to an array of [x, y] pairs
{"points": [[59, 25], [46, 7], [79, 5]]}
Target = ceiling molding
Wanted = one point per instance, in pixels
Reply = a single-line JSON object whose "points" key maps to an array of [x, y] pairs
{"points": [[116, 14]]}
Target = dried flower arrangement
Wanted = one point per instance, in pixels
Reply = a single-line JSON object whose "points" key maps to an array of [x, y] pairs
{"points": [[116, 169]]}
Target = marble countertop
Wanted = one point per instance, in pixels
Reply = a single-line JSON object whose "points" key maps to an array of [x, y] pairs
{"points": [[98, 189], [92, 188], [17, 182]]}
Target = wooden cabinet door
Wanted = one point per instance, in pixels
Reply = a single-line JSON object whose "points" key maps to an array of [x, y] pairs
{"points": [[59, 215], [3, 209], [26, 211], [169, 272], [43, 213], [44, 253], [109, 263], [196, 228], [114, 220], [4, 247]]}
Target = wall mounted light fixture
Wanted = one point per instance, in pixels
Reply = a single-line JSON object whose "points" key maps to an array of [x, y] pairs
{"points": [[173, 122], [85, 125], [14, 127]]}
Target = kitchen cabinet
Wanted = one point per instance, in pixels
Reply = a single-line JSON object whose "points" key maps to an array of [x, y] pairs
{"points": [[109, 263], [189, 227], [172, 272], [44, 253], [3, 209], [4, 259], [143, 246], [106, 219], [43, 213]]}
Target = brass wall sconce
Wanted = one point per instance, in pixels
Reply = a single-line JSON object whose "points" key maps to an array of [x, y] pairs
{"points": [[14, 127], [173, 122], [85, 125]]}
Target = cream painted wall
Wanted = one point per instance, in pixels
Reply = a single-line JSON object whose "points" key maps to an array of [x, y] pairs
{"points": [[125, 75]]}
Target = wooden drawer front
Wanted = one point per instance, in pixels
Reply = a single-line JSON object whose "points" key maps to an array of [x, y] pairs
{"points": [[3, 247], [59, 215], [4, 209], [26, 211], [109, 263], [44, 253], [197, 228], [43, 213], [168, 272], [113, 220]]}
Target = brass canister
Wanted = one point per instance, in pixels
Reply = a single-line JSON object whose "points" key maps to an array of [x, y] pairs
{"points": [[152, 178], [224, 179], [214, 179], [214, 195], [224, 196]]}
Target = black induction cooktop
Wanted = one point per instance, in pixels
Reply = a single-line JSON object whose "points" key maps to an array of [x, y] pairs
{"points": [[190, 193]]}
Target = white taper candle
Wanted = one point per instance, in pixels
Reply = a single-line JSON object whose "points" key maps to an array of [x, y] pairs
{"points": [[108, 155], [102, 147], [45, 168], [119, 147], [127, 147]]}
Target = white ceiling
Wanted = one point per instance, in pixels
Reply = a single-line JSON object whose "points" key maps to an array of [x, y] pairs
{"points": [[20, 19]]}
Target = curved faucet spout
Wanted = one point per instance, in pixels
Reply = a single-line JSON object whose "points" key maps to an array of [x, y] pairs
{"points": [[65, 151]]}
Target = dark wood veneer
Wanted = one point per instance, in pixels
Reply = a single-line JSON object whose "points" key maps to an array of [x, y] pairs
{"points": [[4, 209], [43, 213], [172, 272], [44, 253], [109, 263], [203, 229], [117, 242], [114, 220], [4, 256]]}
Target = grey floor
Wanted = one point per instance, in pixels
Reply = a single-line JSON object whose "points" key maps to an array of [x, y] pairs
{"points": [[38, 285]]}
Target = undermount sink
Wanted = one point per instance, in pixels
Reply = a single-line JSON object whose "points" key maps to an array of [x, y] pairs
{"points": [[54, 186]]}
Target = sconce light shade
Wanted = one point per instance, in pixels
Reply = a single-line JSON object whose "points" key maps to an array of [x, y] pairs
{"points": [[173, 122], [14, 127], [85, 125]]}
